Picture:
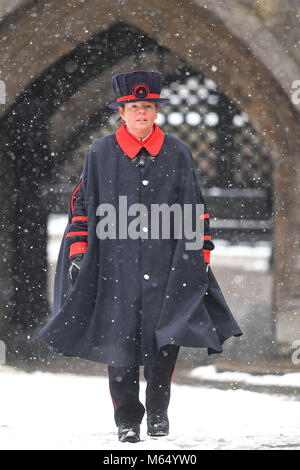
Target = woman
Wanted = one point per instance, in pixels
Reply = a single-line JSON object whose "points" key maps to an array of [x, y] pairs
{"points": [[134, 297]]}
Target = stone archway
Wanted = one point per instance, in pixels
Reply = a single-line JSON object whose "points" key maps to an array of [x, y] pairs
{"points": [[44, 33], [31, 159]]}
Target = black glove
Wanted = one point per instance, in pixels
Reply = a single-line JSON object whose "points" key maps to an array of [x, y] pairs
{"points": [[75, 267]]}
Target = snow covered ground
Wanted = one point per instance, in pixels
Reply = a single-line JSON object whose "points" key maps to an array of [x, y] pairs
{"points": [[210, 373], [62, 411]]}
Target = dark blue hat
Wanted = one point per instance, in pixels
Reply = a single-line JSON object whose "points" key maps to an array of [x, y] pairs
{"points": [[138, 85]]}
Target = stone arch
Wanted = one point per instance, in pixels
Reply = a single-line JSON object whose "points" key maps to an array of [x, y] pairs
{"points": [[44, 33]]}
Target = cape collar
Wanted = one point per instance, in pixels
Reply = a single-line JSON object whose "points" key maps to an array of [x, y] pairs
{"points": [[131, 145]]}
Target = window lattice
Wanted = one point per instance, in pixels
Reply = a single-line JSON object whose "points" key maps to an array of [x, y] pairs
{"points": [[227, 150]]}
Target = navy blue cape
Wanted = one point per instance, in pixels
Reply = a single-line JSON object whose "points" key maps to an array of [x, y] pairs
{"points": [[113, 314]]}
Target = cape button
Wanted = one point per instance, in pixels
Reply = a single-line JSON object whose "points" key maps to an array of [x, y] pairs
{"points": [[147, 277], [145, 182], [141, 162]]}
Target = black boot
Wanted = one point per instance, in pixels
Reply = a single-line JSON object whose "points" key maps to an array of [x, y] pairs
{"points": [[129, 432], [158, 424]]}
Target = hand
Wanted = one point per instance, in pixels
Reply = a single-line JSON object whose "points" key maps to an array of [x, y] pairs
{"points": [[75, 267]]}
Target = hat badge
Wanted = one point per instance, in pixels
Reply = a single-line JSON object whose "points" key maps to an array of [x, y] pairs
{"points": [[140, 90]]}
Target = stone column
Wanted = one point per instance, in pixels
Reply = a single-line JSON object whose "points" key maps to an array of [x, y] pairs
{"points": [[7, 217], [286, 305]]}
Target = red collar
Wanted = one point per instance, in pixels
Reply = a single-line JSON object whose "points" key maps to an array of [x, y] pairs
{"points": [[131, 145]]}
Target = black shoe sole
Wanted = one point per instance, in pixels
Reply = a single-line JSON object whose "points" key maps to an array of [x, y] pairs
{"points": [[153, 431], [157, 434], [131, 439]]}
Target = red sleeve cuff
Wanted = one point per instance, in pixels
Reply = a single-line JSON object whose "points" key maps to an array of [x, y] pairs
{"points": [[77, 234], [77, 248], [206, 254]]}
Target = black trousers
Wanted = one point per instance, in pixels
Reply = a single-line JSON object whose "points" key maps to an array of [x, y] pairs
{"points": [[124, 386]]}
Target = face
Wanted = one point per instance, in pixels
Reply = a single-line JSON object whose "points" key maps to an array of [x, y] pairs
{"points": [[139, 117]]}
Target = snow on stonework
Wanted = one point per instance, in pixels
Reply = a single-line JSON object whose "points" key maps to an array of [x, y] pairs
{"points": [[210, 373]]}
